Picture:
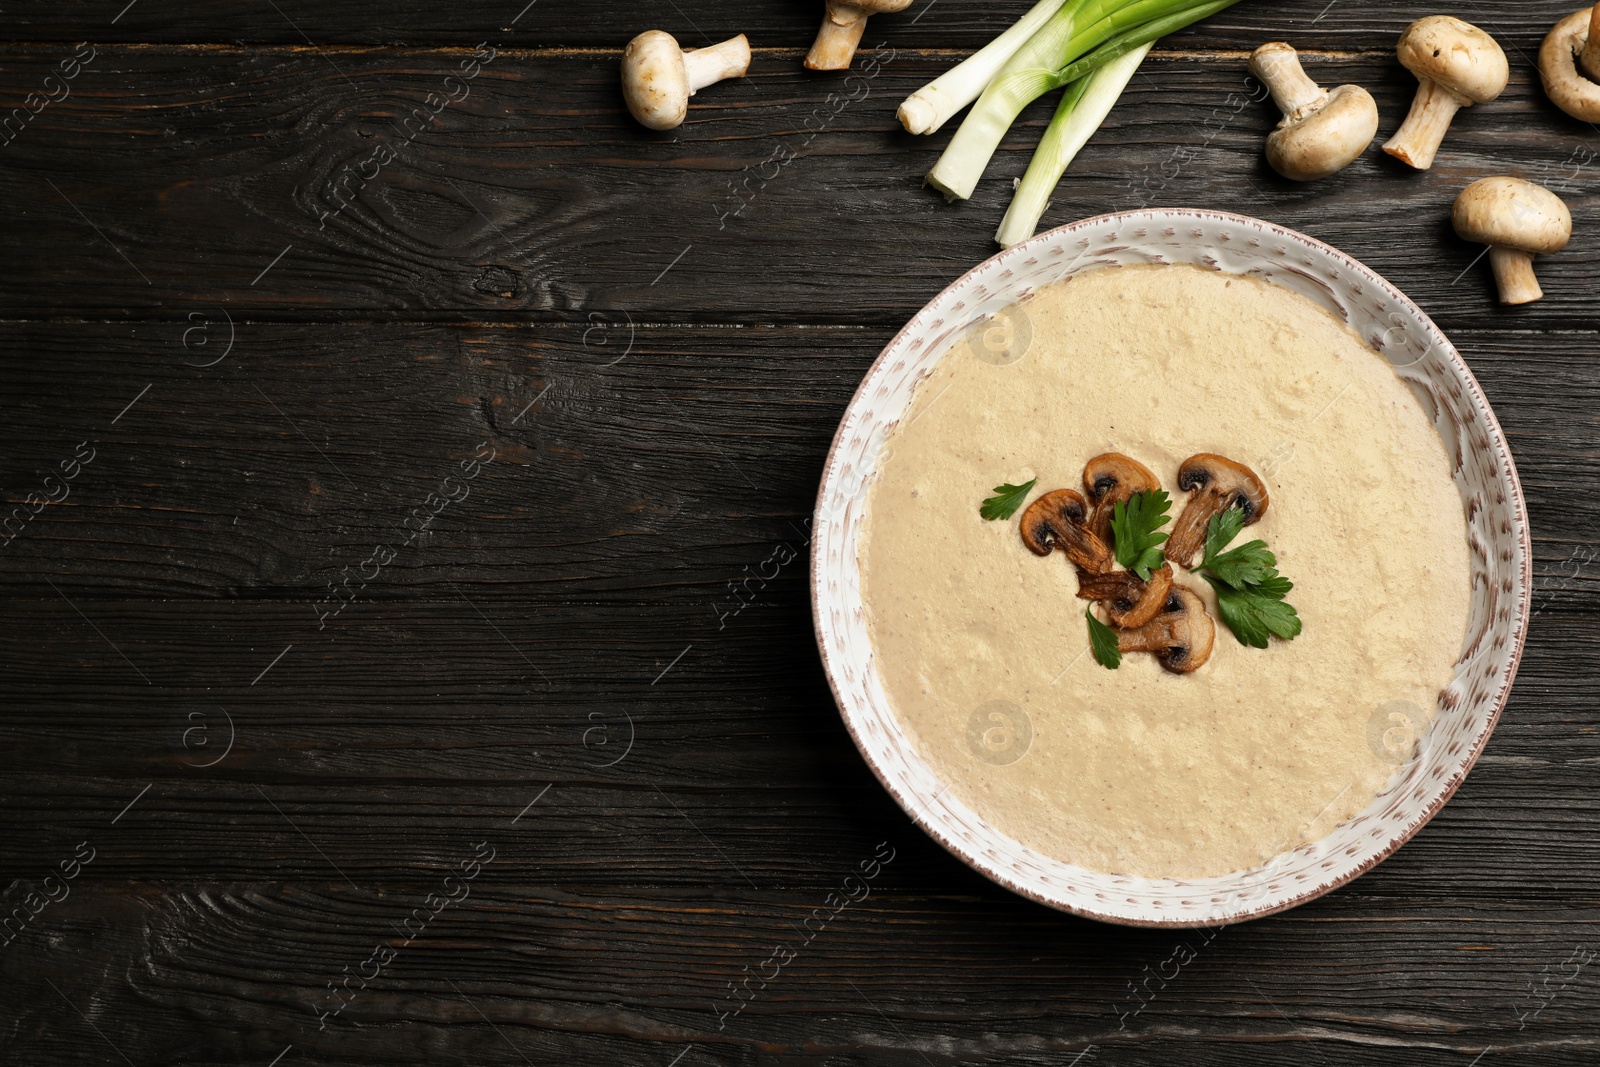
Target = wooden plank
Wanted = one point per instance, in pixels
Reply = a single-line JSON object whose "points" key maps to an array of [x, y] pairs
{"points": [[789, 27], [244, 970], [632, 462], [538, 195]]}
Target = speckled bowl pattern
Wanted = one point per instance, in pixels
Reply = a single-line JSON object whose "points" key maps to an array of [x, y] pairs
{"points": [[1495, 512]]}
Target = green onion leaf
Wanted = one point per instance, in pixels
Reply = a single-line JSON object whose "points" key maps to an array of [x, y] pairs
{"points": [[1084, 106]]}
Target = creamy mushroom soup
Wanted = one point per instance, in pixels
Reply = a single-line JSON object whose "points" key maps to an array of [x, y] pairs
{"points": [[982, 646]]}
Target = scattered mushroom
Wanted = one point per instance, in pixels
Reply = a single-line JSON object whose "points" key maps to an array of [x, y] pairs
{"points": [[1059, 519], [659, 77], [1457, 65], [1110, 479], [842, 26], [1130, 602], [1517, 220], [1181, 636], [1569, 64], [1218, 483], [1323, 131]]}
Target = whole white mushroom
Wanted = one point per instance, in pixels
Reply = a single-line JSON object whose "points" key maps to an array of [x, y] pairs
{"points": [[1517, 220], [1457, 65], [659, 77], [1569, 64], [1323, 130]]}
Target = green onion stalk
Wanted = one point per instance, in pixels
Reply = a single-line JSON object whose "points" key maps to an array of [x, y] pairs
{"points": [[931, 106], [1084, 106], [1082, 37]]}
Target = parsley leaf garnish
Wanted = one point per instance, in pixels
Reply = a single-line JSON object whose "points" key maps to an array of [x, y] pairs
{"points": [[1007, 499], [1254, 613], [1133, 529], [1276, 586], [1103, 642], [1250, 591], [1222, 529], [1249, 564]]}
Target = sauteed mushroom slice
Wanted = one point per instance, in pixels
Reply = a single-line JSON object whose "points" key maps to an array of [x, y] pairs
{"points": [[1218, 483], [1059, 519], [1110, 479], [1181, 636], [1142, 601], [1130, 602]]}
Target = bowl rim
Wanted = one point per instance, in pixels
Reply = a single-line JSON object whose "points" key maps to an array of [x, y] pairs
{"points": [[1497, 441]]}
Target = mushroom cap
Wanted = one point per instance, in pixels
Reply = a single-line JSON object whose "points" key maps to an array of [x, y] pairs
{"points": [[1314, 143], [1456, 55], [1221, 477], [655, 80], [1512, 213], [1113, 473], [1564, 82]]}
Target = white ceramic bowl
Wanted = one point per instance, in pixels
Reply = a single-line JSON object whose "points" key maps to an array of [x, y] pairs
{"points": [[1497, 530]]}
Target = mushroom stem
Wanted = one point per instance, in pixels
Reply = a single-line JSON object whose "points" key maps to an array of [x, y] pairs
{"points": [[707, 66], [835, 46], [1278, 67], [1589, 57], [1417, 140], [1513, 273]]}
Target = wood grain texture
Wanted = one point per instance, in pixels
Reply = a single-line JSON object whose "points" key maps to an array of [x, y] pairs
{"points": [[538, 195], [608, 24], [535, 275], [577, 977]]}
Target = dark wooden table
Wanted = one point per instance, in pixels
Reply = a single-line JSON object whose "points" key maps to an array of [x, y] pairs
{"points": [[287, 781]]}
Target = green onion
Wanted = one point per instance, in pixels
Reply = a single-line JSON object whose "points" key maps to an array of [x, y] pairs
{"points": [[931, 106], [1058, 53], [1084, 106]]}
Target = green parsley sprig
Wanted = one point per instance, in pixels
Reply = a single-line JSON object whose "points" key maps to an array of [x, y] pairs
{"points": [[1250, 591], [1133, 530], [1007, 499]]}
